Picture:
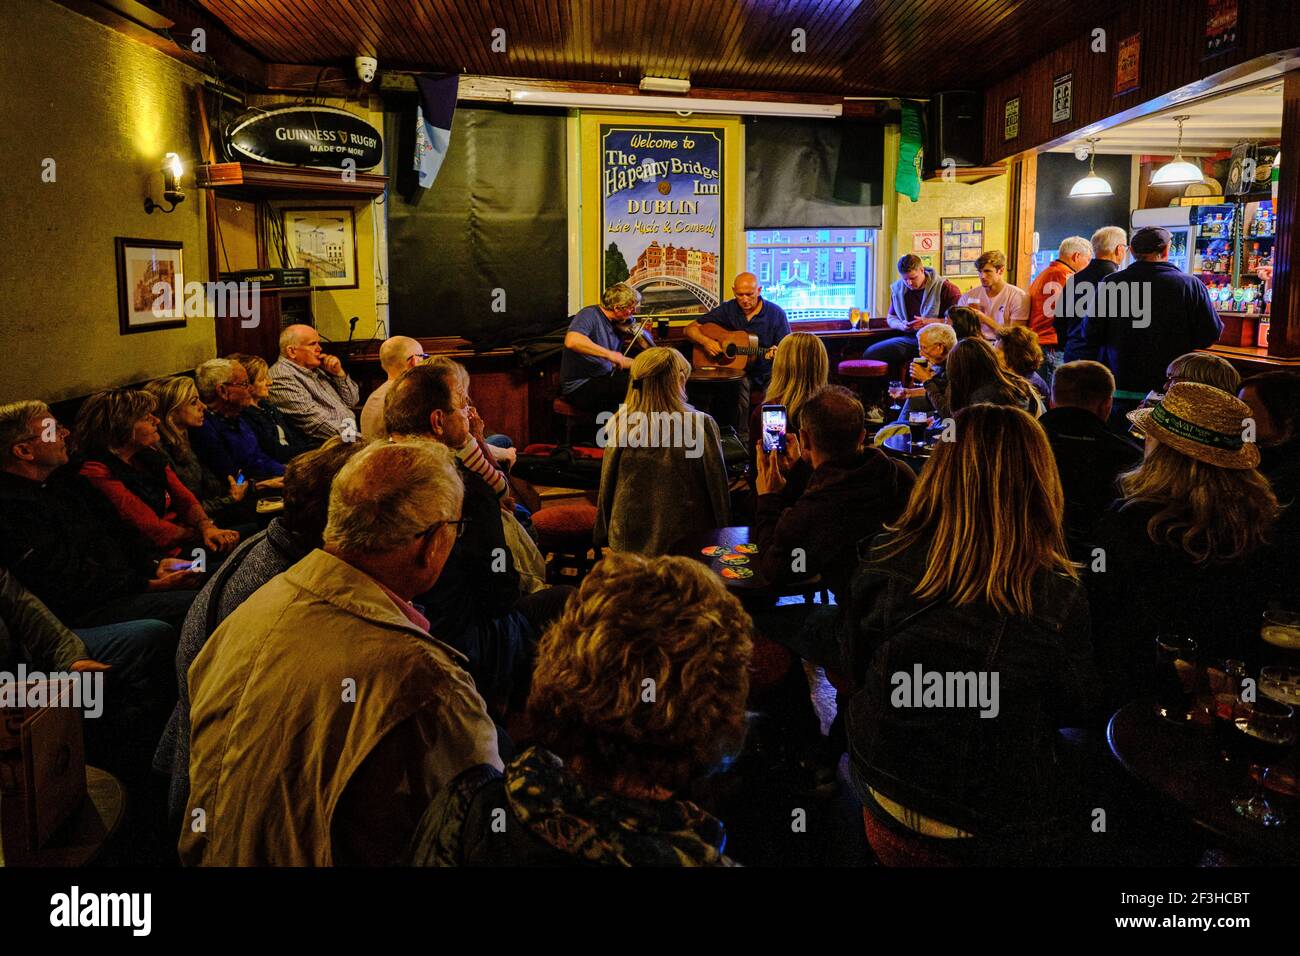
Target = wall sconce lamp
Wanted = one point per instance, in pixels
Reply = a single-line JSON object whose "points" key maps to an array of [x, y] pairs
{"points": [[171, 170]]}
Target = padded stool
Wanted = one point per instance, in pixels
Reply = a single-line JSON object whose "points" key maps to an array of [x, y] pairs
{"points": [[564, 536], [572, 416], [868, 377]]}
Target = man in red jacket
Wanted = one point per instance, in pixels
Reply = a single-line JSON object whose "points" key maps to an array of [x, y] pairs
{"points": [[1073, 254]]}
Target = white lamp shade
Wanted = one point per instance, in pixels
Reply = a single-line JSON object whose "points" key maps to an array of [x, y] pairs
{"points": [[1091, 185], [1178, 173]]}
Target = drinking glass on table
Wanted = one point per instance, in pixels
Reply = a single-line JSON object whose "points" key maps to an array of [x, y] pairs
{"points": [[1267, 732], [1281, 631], [919, 423], [1176, 673]]}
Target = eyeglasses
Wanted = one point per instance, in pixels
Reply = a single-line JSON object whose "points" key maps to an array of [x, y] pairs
{"points": [[460, 528], [239, 384]]}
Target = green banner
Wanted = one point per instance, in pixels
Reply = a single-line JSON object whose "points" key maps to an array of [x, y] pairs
{"points": [[907, 180]]}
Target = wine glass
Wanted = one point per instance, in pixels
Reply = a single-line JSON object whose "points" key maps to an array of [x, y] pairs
{"points": [[1268, 731], [896, 392]]}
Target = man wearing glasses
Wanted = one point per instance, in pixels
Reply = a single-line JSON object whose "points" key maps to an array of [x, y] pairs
{"points": [[396, 355], [226, 442], [312, 389], [747, 312]]}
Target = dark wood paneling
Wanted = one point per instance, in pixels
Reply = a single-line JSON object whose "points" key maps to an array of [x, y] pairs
{"points": [[854, 47], [1173, 38]]}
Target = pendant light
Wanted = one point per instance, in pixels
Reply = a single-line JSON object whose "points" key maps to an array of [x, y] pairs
{"points": [[1092, 184], [1179, 172]]}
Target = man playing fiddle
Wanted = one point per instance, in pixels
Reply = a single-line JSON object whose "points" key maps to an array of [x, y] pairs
{"points": [[594, 367]]}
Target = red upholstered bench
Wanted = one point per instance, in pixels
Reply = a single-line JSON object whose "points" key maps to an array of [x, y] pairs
{"points": [[564, 535]]}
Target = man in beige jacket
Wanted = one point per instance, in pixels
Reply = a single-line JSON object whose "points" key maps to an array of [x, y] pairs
{"points": [[324, 716]]}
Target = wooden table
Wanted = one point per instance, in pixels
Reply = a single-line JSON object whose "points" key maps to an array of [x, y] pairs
{"points": [[756, 587], [1183, 763], [84, 834], [900, 446]]}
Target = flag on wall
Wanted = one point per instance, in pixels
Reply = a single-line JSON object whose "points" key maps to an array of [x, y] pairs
{"points": [[907, 177], [433, 118]]}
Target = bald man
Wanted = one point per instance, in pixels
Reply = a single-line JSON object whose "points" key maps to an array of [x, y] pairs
{"points": [[747, 312], [311, 389], [396, 355]]}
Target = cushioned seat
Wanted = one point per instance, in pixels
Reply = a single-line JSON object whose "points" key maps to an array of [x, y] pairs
{"points": [[862, 368], [564, 533], [572, 416]]}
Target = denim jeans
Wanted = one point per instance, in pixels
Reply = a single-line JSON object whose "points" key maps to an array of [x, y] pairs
{"points": [[1053, 358], [168, 606]]}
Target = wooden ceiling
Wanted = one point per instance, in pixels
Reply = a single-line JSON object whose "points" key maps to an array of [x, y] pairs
{"points": [[853, 47]]}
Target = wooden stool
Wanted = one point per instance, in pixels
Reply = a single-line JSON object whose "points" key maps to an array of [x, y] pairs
{"points": [[564, 536], [572, 416], [867, 377]]}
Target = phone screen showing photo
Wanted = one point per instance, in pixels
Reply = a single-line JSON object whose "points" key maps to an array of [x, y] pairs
{"points": [[773, 428]]}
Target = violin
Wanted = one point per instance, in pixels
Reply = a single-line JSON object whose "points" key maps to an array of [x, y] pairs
{"points": [[632, 338]]}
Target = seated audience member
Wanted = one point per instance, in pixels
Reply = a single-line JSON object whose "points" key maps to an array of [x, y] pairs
{"points": [[117, 433], [600, 787], [1089, 456], [935, 341], [226, 441], [973, 375], [396, 355], [800, 367], [275, 435], [289, 538], [1274, 400], [663, 474], [57, 546], [1018, 346], [1192, 548], [973, 579], [995, 297], [1204, 368], [918, 297], [312, 390], [180, 409], [138, 687], [381, 714], [500, 452], [969, 323], [847, 493], [475, 606]]}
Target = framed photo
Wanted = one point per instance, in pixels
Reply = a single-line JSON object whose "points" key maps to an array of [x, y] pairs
{"points": [[1011, 118], [1063, 98], [963, 243], [1128, 65], [150, 285], [325, 242]]}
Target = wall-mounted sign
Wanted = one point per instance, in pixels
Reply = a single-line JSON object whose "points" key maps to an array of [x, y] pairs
{"points": [[322, 137], [1128, 65], [963, 243], [1220, 26], [1011, 118], [923, 242], [661, 215], [1063, 98]]}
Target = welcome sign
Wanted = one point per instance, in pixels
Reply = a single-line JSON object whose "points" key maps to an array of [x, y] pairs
{"points": [[661, 215], [322, 137]]}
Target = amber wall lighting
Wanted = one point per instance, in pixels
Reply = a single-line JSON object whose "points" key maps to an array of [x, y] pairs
{"points": [[171, 170]]}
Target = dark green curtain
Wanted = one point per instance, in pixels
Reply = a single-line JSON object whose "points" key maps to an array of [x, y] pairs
{"points": [[483, 253]]}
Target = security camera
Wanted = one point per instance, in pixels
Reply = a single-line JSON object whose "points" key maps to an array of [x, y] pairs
{"points": [[366, 67]]}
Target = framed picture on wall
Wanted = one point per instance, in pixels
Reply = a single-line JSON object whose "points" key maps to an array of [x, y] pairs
{"points": [[150, 285], [325, 242], [963, 243]]}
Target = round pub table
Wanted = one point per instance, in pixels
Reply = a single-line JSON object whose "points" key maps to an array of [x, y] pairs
{"points": [[758, 586], [82, 835]]}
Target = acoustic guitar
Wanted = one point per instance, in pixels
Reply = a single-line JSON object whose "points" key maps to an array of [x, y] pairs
{"points": [[740, 346]]}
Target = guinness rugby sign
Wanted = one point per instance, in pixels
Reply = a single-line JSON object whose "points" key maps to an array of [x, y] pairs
{"points": [[319, 136]]}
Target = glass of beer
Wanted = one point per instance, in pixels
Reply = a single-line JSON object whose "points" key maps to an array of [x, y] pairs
{"points": [[919, 423], [1176, 662], [1281, 632], [1268, 731]]}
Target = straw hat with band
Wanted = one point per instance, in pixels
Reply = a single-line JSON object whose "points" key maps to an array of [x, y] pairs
{"points": [[1202, 422]]}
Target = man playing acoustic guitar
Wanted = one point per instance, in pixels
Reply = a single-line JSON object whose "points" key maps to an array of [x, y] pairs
{"points": [[747, 312]]}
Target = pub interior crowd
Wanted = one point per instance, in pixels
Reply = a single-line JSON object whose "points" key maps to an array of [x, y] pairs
{"points": [[372, 675]]}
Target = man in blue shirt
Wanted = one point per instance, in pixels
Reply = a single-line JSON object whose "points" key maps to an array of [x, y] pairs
{"points": [[593, 368], [747, 312]]}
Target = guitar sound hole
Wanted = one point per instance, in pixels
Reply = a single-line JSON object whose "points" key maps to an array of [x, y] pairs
{"points": [[731, 350]]}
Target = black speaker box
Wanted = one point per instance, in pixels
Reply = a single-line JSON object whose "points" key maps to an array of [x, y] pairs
{"points": [[955, 129]]}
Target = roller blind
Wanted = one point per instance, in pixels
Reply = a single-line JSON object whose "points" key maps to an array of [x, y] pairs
{"points": [[813, 174]]}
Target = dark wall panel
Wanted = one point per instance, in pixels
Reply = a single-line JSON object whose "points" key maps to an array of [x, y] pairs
{"points": [[483, 253], [1057, 215]]}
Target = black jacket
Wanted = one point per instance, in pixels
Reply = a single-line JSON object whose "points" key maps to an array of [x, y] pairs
{"points": [[1150, 589], [1181, 319], [983, 774], [826, 513], [1089, 457], [1071, 329], [53, 541], [275, 435]]}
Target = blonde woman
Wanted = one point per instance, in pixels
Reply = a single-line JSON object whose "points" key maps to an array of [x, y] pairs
{"points": [[799, 369], [663, 474], [180, 409], [973, 579]]}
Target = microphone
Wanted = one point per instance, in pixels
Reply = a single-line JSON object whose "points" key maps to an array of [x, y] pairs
{"points": [[352, 325]]}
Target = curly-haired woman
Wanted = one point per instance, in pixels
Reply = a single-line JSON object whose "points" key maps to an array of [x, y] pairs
{"points": [[639, 688]]}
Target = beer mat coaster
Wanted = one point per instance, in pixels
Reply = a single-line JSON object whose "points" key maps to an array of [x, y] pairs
{"points": [[734, 559], [747, 548], [713, 550], [730, 572]]}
